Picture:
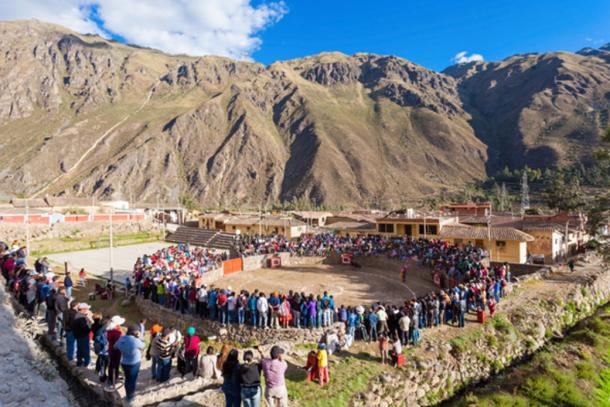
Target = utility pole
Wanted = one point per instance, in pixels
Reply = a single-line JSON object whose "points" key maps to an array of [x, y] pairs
{"points": [[27, 227], [488, 216], [110, 253]]}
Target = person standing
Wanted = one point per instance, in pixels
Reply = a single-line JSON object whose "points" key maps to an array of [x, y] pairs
{"points": [[81, 328], [250, 379], [262, 306], [274, 369], [383, 348], [114, 334], [191, 351], [61, 308], [130, 347], [100, 346], [322, 364], [382, 315], [230, 384], [82, 277], [404, 323], [151, 352], [68, 284], [69, 316]]}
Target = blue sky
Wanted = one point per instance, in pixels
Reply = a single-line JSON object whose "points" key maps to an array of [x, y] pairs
{"points": [[430, 33]]}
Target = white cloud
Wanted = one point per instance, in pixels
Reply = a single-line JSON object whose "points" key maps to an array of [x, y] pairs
{"points": [[194, 27], [464, 58]]}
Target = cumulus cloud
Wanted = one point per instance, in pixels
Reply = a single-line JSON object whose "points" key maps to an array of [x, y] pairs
{"points": [[193, 27], [464, 58]]}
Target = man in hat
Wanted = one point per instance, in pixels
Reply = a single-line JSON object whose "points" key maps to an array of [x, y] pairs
{"points": [[274, 369], [81, 328]]}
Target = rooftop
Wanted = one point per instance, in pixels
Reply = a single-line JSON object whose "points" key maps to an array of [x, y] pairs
{"points": [[482, 233]]}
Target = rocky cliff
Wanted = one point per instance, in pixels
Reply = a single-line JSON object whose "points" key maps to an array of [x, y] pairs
{"points": [[81, 115]]}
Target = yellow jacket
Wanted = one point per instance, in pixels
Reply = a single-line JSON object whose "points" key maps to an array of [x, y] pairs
{"points": [[322, 358]]}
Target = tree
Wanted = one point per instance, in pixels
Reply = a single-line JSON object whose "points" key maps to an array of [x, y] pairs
{"points": [[564, 196]]}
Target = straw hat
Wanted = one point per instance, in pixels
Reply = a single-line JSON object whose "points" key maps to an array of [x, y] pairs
{"points": [[117, 320]]}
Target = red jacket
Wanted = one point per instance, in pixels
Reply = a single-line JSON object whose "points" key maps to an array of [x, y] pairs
{"points": [[191, 346]]}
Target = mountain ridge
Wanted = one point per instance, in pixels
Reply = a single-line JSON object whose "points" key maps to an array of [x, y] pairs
{"points": [[332, 128]]}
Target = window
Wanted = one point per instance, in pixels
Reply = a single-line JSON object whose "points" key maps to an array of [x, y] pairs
{"points": [[430, 230], [386, 228], [500, 243]]}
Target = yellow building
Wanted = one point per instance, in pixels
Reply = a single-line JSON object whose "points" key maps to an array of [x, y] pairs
{"points": [[413, 225], [345, 228], [504, 244], [253, 224]]}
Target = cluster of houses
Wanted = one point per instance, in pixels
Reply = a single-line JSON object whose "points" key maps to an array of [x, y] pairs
{"points": [[507, 238]]}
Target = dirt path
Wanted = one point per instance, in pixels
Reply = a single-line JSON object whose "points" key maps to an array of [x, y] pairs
{"points": [[95, 144]]}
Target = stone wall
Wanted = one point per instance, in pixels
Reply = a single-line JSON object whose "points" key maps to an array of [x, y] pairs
{"points": [[155, 313], [17, 231], [474, 357]]}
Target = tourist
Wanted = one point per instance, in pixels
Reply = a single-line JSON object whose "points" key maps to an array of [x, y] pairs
{"points": [[231, 375], [404, 324], [114, 334], [191, 351], [100, 346], [274, 369], [383, 347], [69, 316], [262, 308], [152, 353], [322, 364], [383, 320], [250, 379], [163, 347], [68, 284], [207, 368], [81, 328], [130, 347], [274, 307], [207, 365]]}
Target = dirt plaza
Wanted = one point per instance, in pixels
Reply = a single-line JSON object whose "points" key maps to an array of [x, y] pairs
{"points": [[377, 281]]}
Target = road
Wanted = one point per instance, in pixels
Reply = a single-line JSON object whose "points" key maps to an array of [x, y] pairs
{"points": [[96, 262]]}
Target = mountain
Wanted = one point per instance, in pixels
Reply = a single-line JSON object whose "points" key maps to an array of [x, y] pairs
{"points": [[81, 115]]}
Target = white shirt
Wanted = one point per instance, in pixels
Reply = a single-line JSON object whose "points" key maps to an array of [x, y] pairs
{"points": [[262, 305], [404, 323]]}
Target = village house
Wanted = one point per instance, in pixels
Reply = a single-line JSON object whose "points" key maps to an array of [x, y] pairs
{"points": [[312, 218], [503, 244], [413, 224], [251, 224]]}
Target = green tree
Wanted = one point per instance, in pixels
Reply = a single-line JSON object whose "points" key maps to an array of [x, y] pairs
{"points": [[562, 195]]}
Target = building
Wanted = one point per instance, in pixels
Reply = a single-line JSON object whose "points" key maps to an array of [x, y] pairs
{"points": [[345, 228], [411, 223], [467, 209], [504, 244], [312, 218], [252, 224]]}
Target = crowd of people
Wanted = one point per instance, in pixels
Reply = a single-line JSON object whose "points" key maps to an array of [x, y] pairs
{"points": [[467, 286], [172, 278], [121, 348]]}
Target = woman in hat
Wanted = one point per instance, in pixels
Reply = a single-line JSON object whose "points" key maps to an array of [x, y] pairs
{"points": [[114, 334], [191, 351]]}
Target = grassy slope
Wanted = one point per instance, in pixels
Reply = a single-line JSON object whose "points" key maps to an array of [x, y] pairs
{"points": [[573, 372]]}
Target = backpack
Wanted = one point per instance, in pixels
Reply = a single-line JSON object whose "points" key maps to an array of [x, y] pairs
{"points": [[100, 342]]}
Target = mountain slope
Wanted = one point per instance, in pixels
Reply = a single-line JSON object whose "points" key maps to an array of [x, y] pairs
{"points": [[80, 115]]}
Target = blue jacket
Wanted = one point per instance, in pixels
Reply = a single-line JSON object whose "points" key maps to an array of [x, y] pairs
{"points": [[131, 349]]}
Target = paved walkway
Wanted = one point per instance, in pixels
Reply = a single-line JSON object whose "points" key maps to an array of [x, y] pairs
{"points": [[96, 262]]}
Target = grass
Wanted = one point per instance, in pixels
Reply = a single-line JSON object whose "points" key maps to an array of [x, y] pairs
{"points": [[573, 372], [350, 376], [75, 242]]}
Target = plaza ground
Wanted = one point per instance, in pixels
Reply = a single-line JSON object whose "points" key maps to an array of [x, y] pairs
{"points": [[348, 285], [97, 262]]}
